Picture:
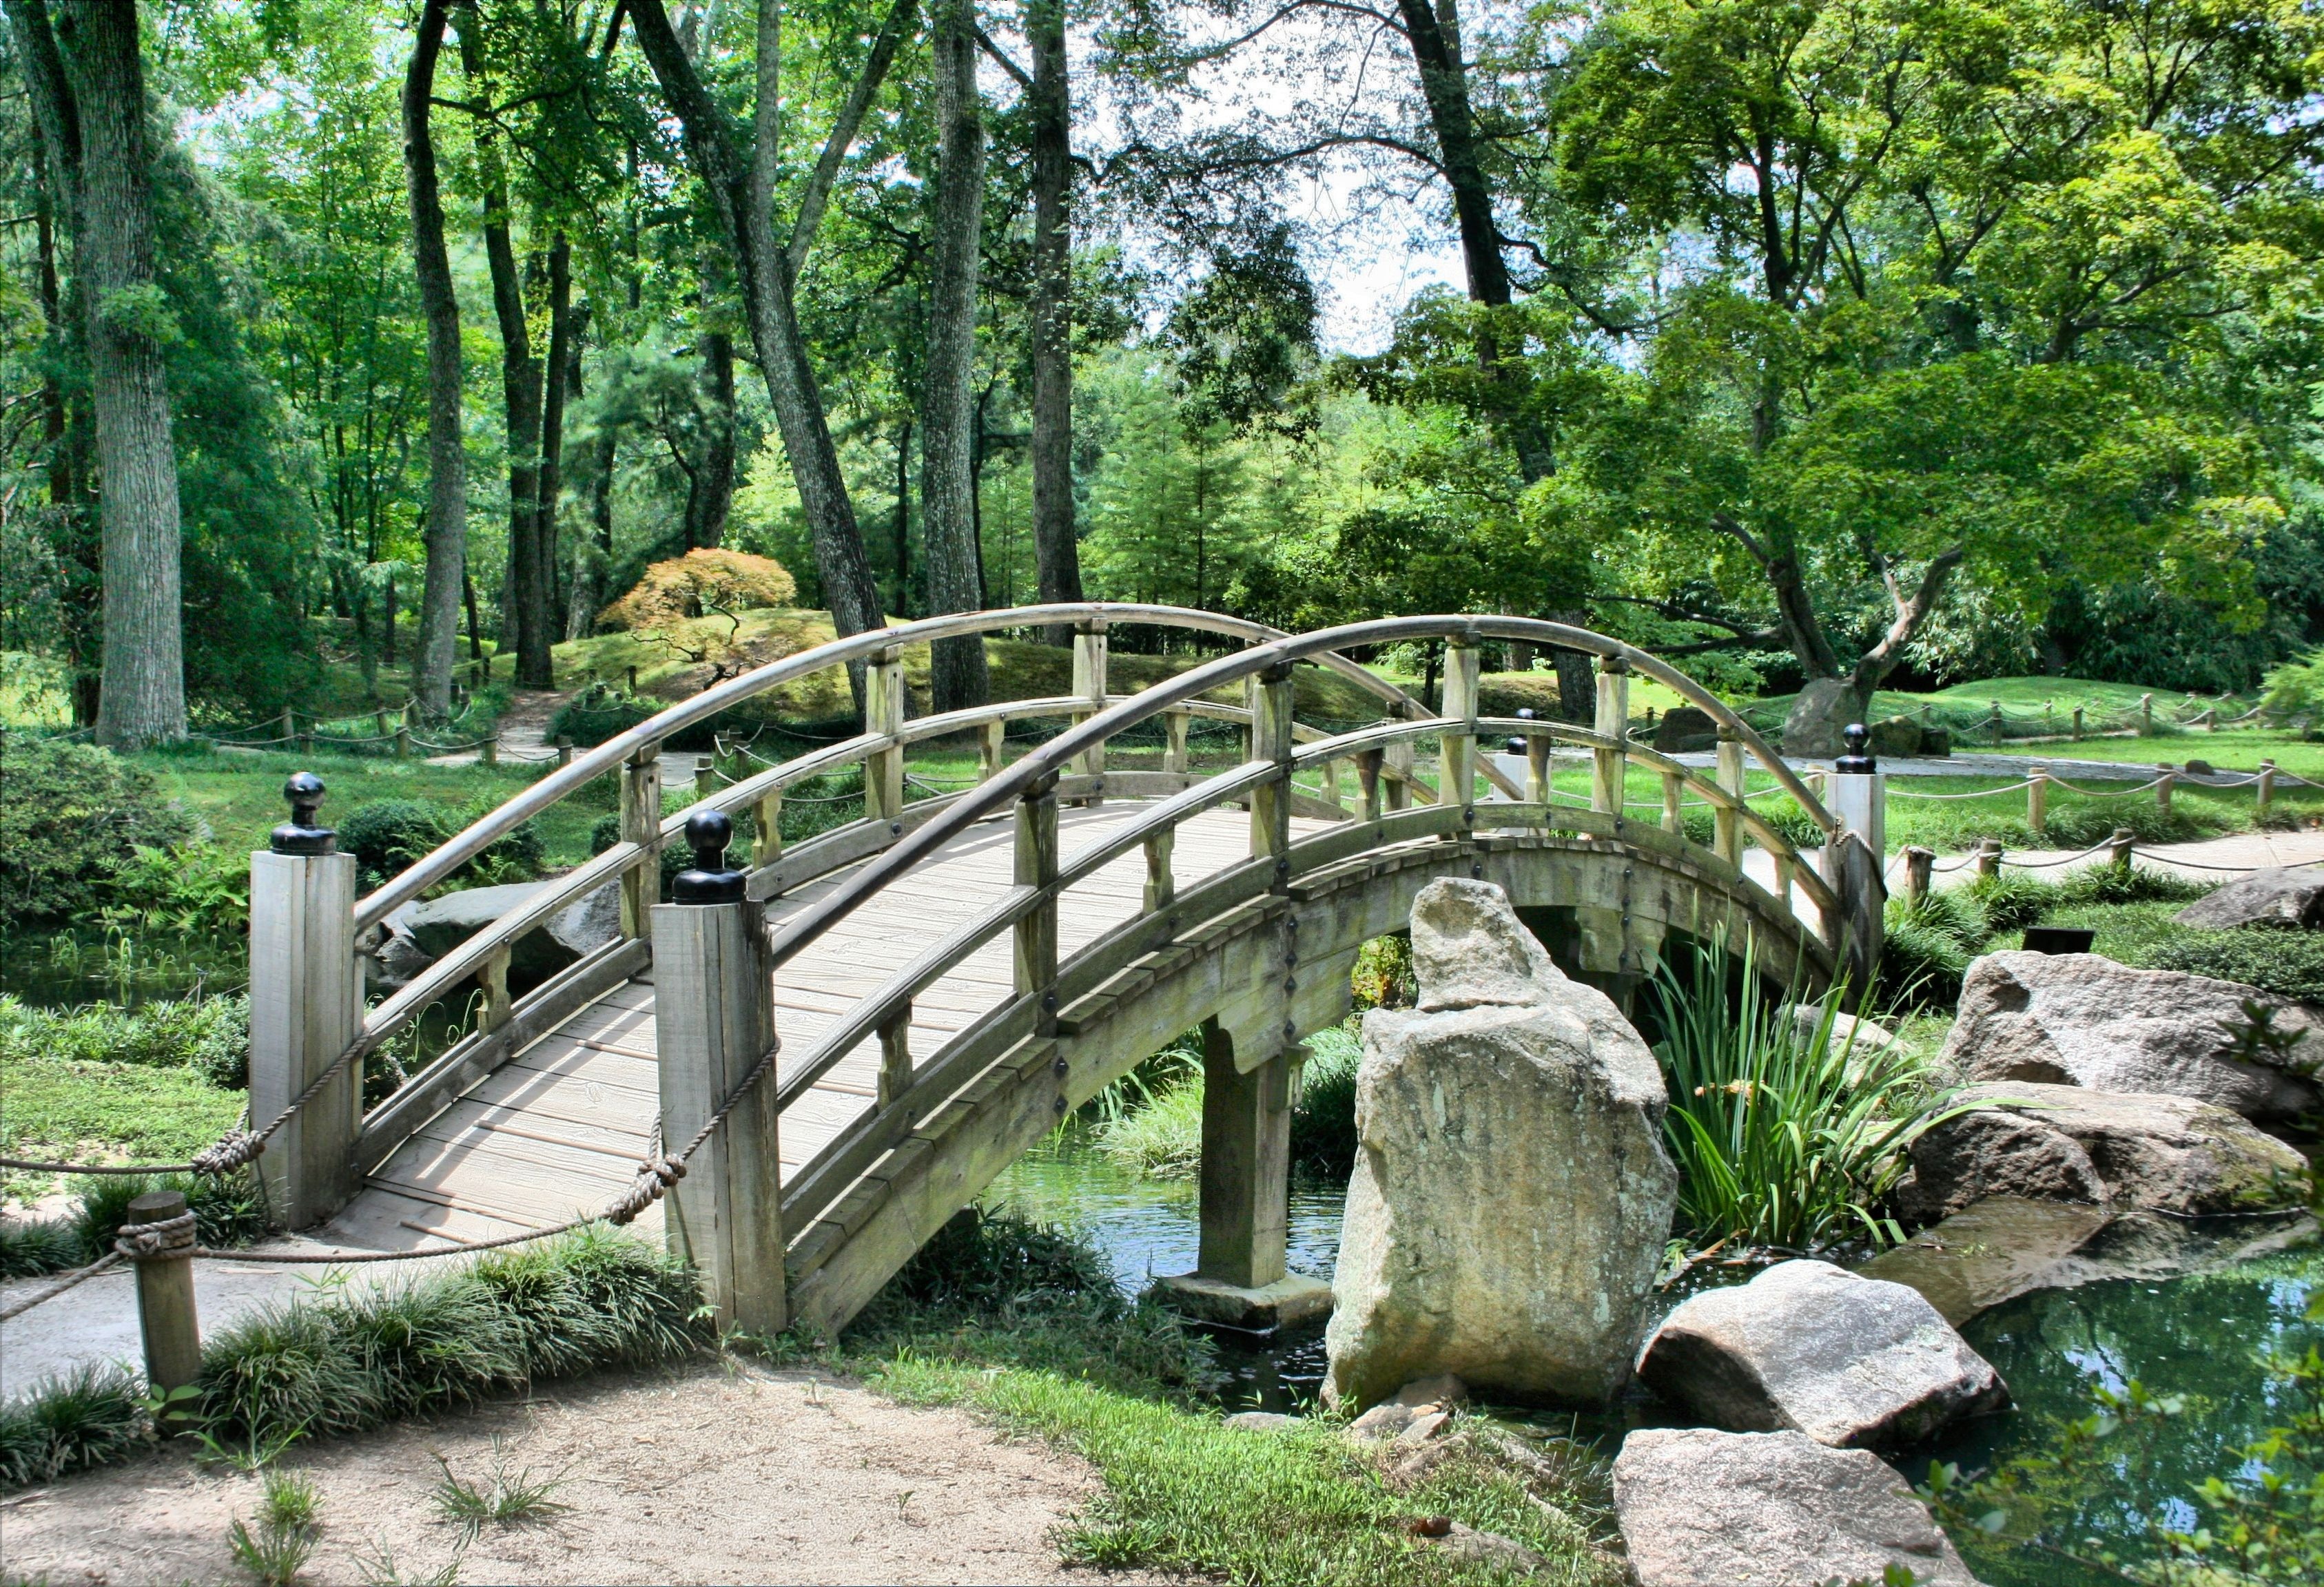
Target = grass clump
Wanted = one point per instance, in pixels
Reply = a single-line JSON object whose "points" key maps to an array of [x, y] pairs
{"points": [[1785, 1134], [91, 1417], [285, 1539], [353, 1359], [504, 1498], [1154, 1123]]}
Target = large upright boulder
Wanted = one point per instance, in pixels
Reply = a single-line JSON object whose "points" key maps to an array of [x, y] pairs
{"points": [[1511, 1199], [436, 926], [2277, 896], [2127, 1150], [1817, 722], [2076, 1019], [1808, 1347], [1705, 1509]]}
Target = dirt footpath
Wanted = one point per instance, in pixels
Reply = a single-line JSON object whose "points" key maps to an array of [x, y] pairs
{"points": [[716, 1474]]}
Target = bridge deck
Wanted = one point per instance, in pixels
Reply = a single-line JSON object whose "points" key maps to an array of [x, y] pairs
{"points": [[559, 1129]]}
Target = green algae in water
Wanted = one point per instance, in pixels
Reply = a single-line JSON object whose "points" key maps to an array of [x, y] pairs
{"points": [[2206, 1338]]}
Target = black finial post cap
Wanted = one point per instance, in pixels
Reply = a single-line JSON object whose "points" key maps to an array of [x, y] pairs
{"points": [[708, 881], [300, 834], [1859, 760]]}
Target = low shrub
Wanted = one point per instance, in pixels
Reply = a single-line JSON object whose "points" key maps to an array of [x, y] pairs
{"points": [[1323, 1124], [583, 1301], [209, 1036], [1162, 1137], [387, 835], [196, 890], [2287, 963], [38, 1245], [73, 818], [228, 1212]]}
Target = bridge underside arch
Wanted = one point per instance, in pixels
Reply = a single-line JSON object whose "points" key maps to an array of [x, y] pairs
{"points": [[1270, 964]]}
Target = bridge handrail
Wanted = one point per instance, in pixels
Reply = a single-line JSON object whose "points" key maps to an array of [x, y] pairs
{"points": [[465, 844], [1046, 758]]}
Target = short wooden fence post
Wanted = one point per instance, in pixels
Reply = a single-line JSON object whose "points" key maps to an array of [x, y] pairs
{"points": [[2037, 798], [634, 678], [1989, 856], [166, 1314], [564, 749], [2264, 789], [306, 1007], [1993, 722], [1920, 866], [2146, 716], [2077, 724], [713, 1022], [2118, 848], [2166, 775], [403, 741], [488, 751]]}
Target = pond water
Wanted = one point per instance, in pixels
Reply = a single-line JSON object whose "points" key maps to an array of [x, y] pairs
{"points": [[2203, 1336]]}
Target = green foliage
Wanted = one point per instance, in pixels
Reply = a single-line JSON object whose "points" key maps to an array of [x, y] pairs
{"points": [[2289, 964], [209, 1036], [387, 835], [72, 821], [1323, 1124], [1783, 1136], [200, 891], [94, 1415], [352, 1358], [2295, 690], [38, 1245], [287, 1533], [58, 1110], [502, 1499], [229, 1209]]}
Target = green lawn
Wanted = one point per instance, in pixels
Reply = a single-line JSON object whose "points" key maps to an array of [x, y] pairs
{"points": [[59, 1110]]}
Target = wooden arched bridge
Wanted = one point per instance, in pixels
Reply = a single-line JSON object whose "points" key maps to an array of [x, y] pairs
{"points": [[951, 975]]}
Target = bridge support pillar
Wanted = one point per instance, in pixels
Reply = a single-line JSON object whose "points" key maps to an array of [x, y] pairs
{"points": [[305, 1005], [1239, 1279], [714, 1022]]}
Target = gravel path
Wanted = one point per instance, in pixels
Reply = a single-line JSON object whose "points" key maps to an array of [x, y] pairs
{"points": [[721, 1472]]}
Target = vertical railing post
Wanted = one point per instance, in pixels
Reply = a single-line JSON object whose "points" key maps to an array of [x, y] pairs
{"points": [[895, 1056], [166, 1314], [1537, 754], [713, 1022], [989, 744], [305, 1006], [1368, 763], [1174, 724], [1271, 740], [1037, 866], [1161, 881], [1456, 774], [1089, 685], [1607, 764], [1673, 801], [883, 713], [767, 830], [1726, 823], [2037, 798], [1856, 860], [641, 825]]}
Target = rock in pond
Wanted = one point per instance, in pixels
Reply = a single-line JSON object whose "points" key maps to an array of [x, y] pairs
{"points": [[438, 925], [1811, 1348], [2109, 1148], [1701, 1507], [1509, 1204], [2076, 1019], [2279, 897]]}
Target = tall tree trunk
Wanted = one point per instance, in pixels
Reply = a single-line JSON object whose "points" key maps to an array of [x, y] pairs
{"points": [[1056, 553], [445, 532], [956, 672], [741, 192], [87, 80], [557, 383], [901, 528], [475, 629], [524, 622], [712, 497], [591, 560]]}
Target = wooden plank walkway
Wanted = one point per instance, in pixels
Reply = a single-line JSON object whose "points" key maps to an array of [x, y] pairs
{"points": [[559, 1129]]}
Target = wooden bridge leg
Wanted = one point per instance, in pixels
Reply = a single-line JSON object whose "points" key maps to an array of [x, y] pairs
{"points": [[713, 1020], [305, 1005], [1239, 1279]]}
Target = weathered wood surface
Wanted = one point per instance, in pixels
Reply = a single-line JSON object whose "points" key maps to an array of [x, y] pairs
{"points": [[559, 1128]]}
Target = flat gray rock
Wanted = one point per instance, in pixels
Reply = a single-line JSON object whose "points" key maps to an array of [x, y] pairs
{"points": [[2116, 1148], [1701, 1507], [2280, 896], [2076, 1019], [1812, 1348], [1509, 1204]]}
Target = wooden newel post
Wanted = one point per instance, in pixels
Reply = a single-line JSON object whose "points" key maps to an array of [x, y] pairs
{"points": [[1456, 774], [306, 1007], [883, 713], [713, 1022], [1613, 723], [1857, 859], [165, 1291], [641, 825], [1270, 802]]}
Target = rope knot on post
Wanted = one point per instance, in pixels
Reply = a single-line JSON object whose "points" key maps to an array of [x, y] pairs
{"points": [[146, 1242], [229, 1152], [656, 1176]]}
